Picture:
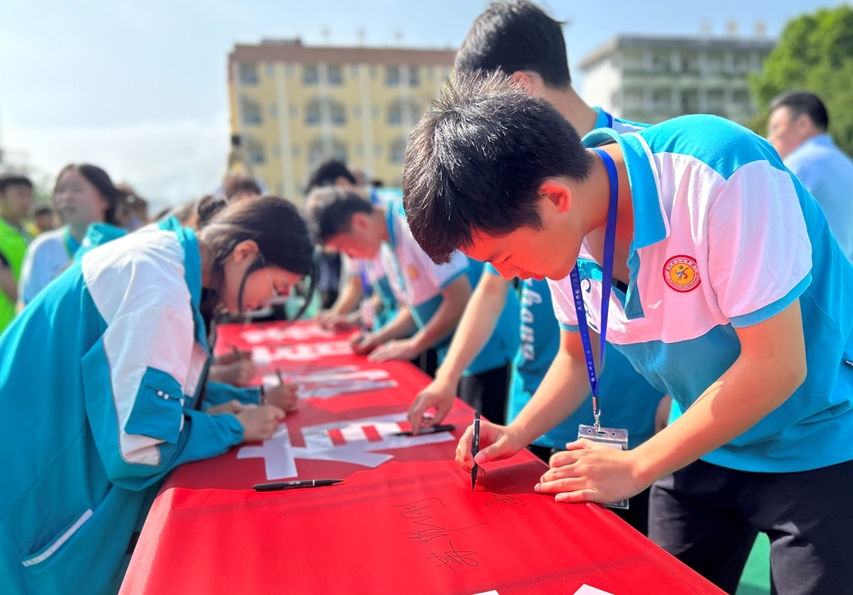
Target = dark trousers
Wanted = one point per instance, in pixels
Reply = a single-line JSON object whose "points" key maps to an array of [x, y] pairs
{"points": [[486, 392], [708, 517], [427, 361]]}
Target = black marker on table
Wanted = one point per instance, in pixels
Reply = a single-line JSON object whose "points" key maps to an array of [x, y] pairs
{"points": [[432, 430], [475, 448], [292, 485]]}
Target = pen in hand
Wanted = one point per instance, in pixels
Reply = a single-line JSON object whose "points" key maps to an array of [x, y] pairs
{"points": [[475, 448]]}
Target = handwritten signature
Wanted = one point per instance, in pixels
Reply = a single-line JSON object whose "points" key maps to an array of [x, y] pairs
{"points": [[426, 528], [505, 499], [453, 556]]}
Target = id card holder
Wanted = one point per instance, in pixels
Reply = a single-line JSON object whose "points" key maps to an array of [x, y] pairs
{"points": [[611, 437]]}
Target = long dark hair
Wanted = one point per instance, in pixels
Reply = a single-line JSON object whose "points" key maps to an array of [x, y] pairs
{"points": [[102, 183], [275, 225]]}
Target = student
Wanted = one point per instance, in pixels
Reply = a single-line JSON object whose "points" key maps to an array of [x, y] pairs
{"points": [[431, 298], [522, 41], [16, 198], [44, 219], [121, 339], [737, 302], [239, 188], [84, 194], [365, 278], [797, 129]]}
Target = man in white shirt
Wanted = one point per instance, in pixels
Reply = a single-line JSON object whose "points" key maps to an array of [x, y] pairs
{"points": [[797, 129]]}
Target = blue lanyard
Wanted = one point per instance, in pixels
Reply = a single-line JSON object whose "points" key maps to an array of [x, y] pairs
{"points": [[606, 282], [366, 286]]}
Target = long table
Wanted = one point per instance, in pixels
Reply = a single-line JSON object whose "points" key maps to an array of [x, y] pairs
{"points": [[403, 521]]}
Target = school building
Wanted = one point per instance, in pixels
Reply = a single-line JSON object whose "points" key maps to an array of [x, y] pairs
{"points": [[651, 79], [294, 105]]}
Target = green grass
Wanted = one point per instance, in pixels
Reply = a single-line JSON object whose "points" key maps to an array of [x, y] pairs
{"points": [[755, 579]]}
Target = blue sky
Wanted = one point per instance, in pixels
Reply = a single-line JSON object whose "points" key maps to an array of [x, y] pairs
{"points": [[139, 87]]}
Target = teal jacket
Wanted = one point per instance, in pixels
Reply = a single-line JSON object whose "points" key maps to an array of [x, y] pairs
{"points": [[99, 383]]}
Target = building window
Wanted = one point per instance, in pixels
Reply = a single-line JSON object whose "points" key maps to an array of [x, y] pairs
{"points": [[715, 101], [310, 74], [336, 112], [251, 111], [249, 74], [327, 148], [336, 75], [741, 99], [633, 100], [690, 62], [398, 116], [690, 101], [269, 70], [715, 62], [397, 153], [392, 76], [742, 62], [255, 151], [661, 62], [414, 76], [313, 114], [661, 100]]}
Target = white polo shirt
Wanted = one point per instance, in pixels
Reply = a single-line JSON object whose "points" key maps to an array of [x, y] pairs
{"points": [[726, 237]]}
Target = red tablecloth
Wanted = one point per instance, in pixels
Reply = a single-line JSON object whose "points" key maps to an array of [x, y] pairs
{"points": [[404, 521]]}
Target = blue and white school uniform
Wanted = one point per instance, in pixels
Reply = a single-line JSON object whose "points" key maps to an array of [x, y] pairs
{"points": [[99, 382], [418, 282], [726, 237], [631, 402], [374, 280], [47, 256]]}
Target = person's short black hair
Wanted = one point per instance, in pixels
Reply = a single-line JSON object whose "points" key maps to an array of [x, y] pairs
{"points": [[803, 102], [475, 163], [238, 184], [325, 174], [517, 35], [40, 210], [329, 211], [7, 180]]}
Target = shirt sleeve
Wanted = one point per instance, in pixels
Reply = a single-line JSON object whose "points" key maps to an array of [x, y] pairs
{"points": [[133, 378], [32, 275], [759, 252], [442, 275], [217, 393]]}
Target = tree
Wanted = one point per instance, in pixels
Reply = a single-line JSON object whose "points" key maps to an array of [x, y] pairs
{"points": [[814, 53]]}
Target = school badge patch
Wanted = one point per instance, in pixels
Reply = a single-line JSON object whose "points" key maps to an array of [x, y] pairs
{"points": [[681, 273], [413, 272]]}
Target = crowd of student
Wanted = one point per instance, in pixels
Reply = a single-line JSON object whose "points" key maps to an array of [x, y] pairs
{"points": [[717, 265]]}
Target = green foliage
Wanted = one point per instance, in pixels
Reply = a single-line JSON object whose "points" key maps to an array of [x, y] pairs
{"points": [[814, 53]]}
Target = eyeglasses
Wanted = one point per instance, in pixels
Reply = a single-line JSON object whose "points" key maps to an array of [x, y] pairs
{"points": [[276, 296]]}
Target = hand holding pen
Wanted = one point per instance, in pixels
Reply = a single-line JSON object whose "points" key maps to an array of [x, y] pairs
{"points": [[496, 443], [284, 396]]}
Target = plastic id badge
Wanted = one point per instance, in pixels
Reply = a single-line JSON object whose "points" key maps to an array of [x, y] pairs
{"points": [[611, 437]]}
